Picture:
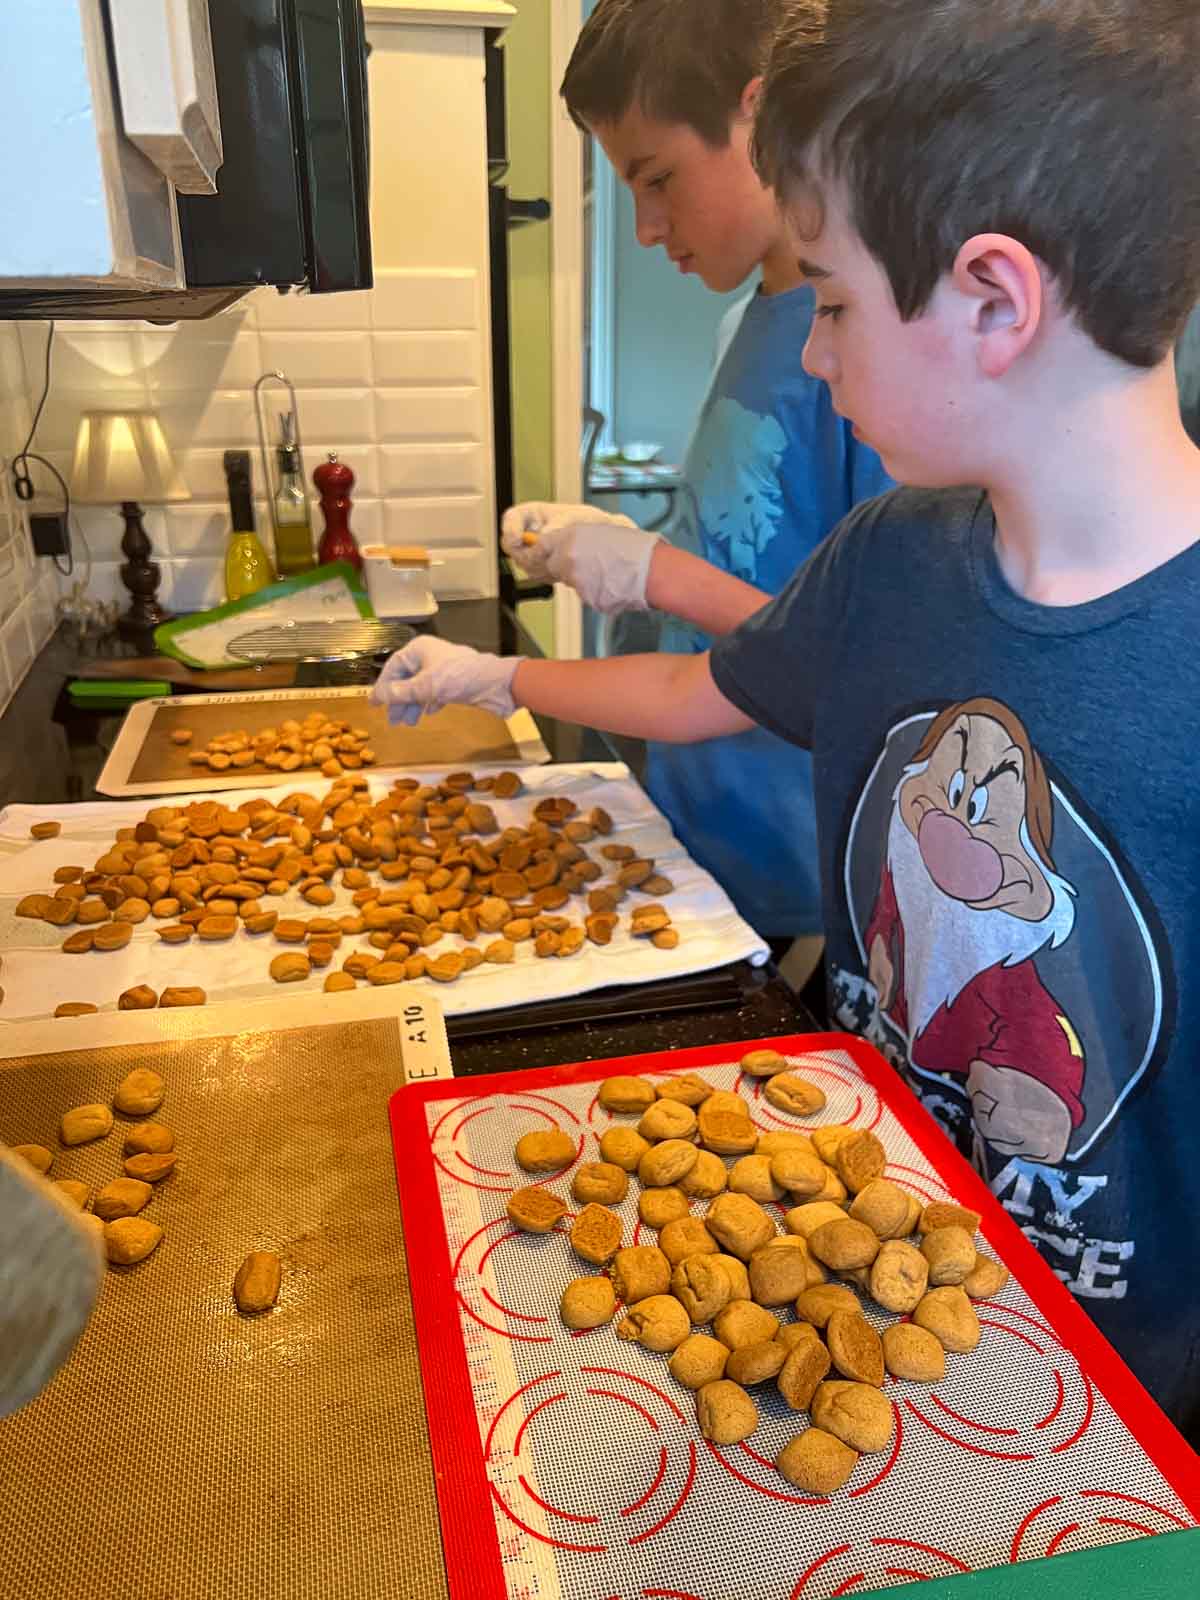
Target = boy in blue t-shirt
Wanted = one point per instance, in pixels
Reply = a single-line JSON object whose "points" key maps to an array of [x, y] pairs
{"points": [[668, 87], [999, 207]]}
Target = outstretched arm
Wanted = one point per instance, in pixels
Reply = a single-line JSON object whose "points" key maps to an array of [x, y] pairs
{"points": [[693, 589]]}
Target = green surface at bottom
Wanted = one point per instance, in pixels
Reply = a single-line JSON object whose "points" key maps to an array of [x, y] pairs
{"points": [[1166, 1567]]}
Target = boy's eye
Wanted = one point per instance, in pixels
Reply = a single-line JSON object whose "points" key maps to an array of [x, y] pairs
{"points": [[830, 311], [660, 182]]}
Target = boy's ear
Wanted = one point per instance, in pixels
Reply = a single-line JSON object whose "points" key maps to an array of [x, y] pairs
{"points": [[748, 104], [1003, 281]]}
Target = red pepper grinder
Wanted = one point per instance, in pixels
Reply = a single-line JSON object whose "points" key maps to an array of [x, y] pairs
{"points": [[334, 481]]}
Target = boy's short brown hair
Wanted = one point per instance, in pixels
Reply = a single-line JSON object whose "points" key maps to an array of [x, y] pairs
{"points": [[677, 60], [1071, 125]]}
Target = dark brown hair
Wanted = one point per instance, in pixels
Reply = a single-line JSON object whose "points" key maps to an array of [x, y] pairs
{"points": [[1071, 125], [678, 60]]}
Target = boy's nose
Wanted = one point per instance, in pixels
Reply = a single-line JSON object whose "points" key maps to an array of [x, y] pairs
{"points": [[816, 357], [650, 224]]}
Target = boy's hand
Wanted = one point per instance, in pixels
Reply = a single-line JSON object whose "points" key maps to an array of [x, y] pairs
{"points": [[546, 516], [430, 674], [606, 563]]}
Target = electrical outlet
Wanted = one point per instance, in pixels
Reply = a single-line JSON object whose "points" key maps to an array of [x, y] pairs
{"points": [[49, 530]]}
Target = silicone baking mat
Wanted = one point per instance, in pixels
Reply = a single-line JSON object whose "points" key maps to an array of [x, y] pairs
{"points": [[571, 1465], [185, 1451], [143, 759]]}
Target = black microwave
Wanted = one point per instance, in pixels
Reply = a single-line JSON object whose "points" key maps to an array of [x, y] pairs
{"points": [[293, 190]]}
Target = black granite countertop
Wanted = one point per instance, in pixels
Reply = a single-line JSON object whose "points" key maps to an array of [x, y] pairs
{"points": [[52, 754]]}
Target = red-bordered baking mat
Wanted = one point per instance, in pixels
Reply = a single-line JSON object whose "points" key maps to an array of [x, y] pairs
{"points": [[573, 1467]]}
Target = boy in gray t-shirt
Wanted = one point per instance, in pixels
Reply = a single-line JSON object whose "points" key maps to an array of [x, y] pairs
{"points": [[999, 208]]}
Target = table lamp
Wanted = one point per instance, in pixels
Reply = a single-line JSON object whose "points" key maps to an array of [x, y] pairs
{"points": [[121, 456]]}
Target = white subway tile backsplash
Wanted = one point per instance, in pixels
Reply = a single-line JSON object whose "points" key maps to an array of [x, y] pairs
{"points": [[305, 312], [224, 417], [366, 521], [18, 644], [339, 360], [450, 416], [437, 522], [84, 358], [428, 358], [194, 585], [429, 469], [327, 414], [196, 530], [103, 528], [423, 300], [199, 357]]}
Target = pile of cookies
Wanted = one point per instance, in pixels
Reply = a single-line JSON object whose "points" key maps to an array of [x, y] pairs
{"points": [[425, 863], [321, 742], [849, 1231], [148, 1157]]}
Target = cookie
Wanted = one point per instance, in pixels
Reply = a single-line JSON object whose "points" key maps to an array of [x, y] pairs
{"points": [[535, 1210], [623, 1094], [884, 1207], [817, 1462], [770, 1144], [844, 1244], [756, 1363], [807, 1363], [950, 1317], [623, 1146], [587, 1303], [855, 1348], [789, 1092], [659, 1323], [793, 1333], [855, 1413], [950, 1253], [806, 1219], [899, 1276], [725, 1132], [913, 1353], [701, 1287], [687, 1236], [986, 1278], [944, 1214], [799, 1170], [596, 1235], [667, 1162], [707, 1178], [817, 1305], [859, 1160], [738, 1224], [687, 1088], [725, 1412], [751, 1175], [742, 1322], [667, 1119], [640, 1272], [546, 1150], [600, 1181], [657, 1207], [826, 1140], [739, 1278], [777, 1276], [700, 1359], [763, 1063]]}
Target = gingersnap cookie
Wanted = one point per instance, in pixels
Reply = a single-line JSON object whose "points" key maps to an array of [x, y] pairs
{"points": [[587, 1303], [666, 1163], [986, 1278], [545, 1150], [859, 1159], [855, 1348], [807, 1363], [639, 1272], [899, 1276], [739, 1278], [817, 1462], [701, 1287], [945, 1214], [778, 1275], [739, 1224], [950, 1317], [725, 1412], [804, 1220], [624, 1094], [844, 1244], [855, 1413], [706, 1179], [600, 1181], [787, 1091], [884, 1207], [826, 1140], [596, 1235], [742, 1322], [535, 1210], [799, 1170], [763, 1063], [756, 1363], [950, 1253], [659, 1323], [817, 1304], [913, 1353], [686, 1236], [770, 1144], [793, 1333], [657, 1207], [667, 1119], [623, 1146], [751, 1175], [687, 1088], [724, 1131], [700, 1359]]}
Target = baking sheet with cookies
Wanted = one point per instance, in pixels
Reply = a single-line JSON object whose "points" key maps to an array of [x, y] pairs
{"points": [[570, 1464], [37, 975]]}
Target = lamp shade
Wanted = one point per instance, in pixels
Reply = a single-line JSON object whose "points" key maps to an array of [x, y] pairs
{"points": [[122, 455]]}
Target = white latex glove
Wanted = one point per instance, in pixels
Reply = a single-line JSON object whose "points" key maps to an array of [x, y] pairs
{"points": [[547, 516], [430, 674], [606, 563]]}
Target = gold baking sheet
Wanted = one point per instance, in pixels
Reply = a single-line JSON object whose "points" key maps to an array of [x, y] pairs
{"points": [[186, 1451], [144, 761]]}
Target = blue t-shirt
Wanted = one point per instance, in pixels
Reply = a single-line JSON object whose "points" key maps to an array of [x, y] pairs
{"points": [[1009, 826], [770, 470]]}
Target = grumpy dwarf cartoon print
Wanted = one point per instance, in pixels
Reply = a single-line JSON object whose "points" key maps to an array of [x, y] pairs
{"points": [[1008, 962]]}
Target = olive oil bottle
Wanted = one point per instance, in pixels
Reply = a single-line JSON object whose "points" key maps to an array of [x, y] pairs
{"points": [[293, 526], [247, 569]]}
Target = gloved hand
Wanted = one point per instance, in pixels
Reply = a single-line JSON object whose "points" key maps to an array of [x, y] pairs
{"points": [[605, 560], [430, 674], [548, 516]]}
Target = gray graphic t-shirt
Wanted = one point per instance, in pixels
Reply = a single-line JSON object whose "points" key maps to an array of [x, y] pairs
{"points": [[1008, 820]]}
